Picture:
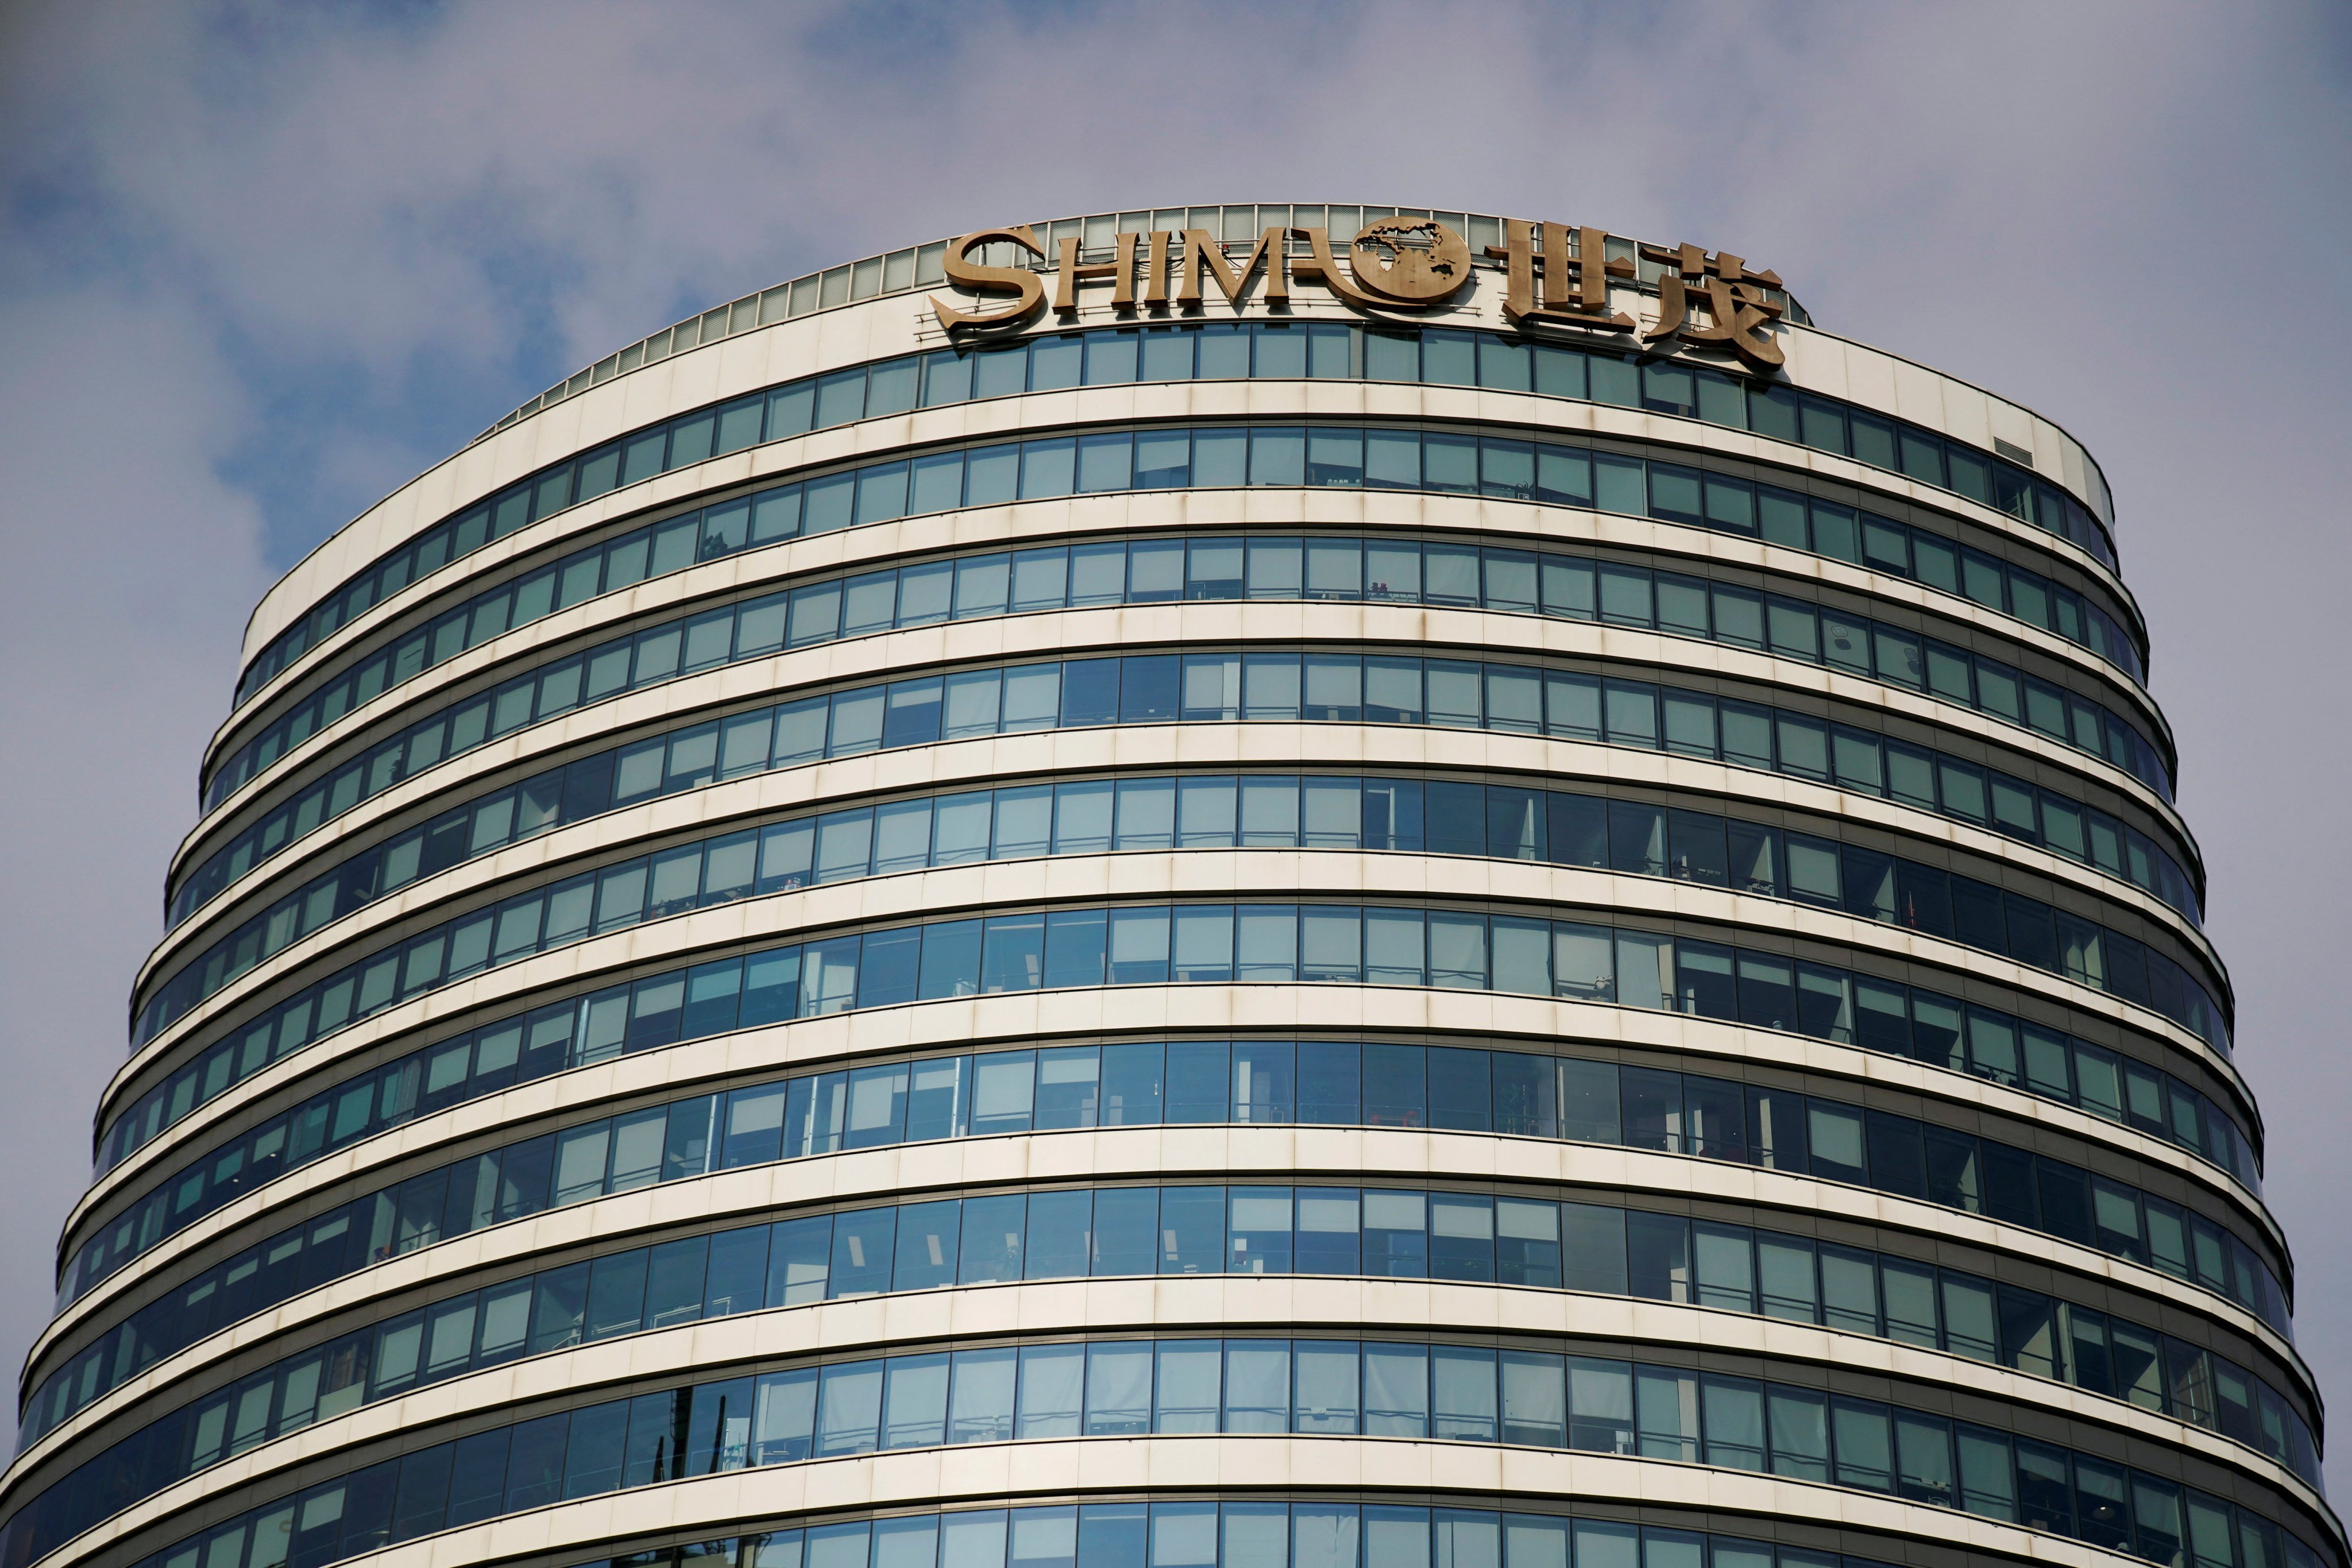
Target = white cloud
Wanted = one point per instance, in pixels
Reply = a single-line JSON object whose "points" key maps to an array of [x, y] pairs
{"points": [[313, 248], [128, 564]]}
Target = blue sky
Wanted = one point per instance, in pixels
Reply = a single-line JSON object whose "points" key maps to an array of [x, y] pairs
{"points": [[260, 265]]}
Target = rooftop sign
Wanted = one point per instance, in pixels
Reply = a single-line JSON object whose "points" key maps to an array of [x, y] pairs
{"points": [[1559, 276]]}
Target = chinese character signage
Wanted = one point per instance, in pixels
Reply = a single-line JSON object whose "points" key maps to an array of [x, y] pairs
{"points": [[1556, 276]]}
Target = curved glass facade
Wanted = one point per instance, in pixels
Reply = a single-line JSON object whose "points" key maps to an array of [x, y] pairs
{"points": [[1213, 938], [1278, 685], [1319, 568], [1313, 811]]}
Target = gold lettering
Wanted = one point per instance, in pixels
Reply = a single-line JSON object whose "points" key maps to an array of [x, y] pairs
{"points": [[1120, 271], [1317, 264], [1575, 287], [1685, 261], [1554, 243], [1202, 254], [1517, 253], [982, 280], [1594, 270], [1396, 262], [1155, 282], [1410, 261], [1735, 299]]}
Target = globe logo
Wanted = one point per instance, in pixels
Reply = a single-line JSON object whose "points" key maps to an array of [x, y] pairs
{"points": [[1409, 260]]}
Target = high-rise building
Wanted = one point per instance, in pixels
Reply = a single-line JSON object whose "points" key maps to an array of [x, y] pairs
{"points": [[1461, 899]]}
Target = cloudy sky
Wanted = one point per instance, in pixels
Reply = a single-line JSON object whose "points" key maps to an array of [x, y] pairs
{"points": [[259, 266]]}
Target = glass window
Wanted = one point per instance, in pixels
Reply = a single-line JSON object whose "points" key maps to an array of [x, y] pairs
{"points": [[1053, 1378], [1505, 365], [1335, 458], [1448, 358], [1281, 350], [1393, 460], [1396, 1390], [1048, 468], [1189, 1394], [1224, 351], [1162, 460], [1054, 362], [1277, 456], [1106, 462], [1168, 353], [1615, 378]]}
